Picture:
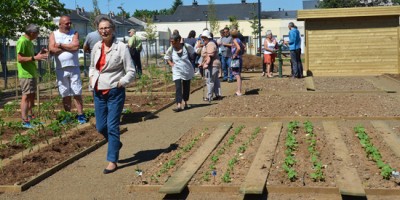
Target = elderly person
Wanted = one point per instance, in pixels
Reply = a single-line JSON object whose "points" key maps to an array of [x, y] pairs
{"points": [[182, 70], [27, 71], [236, 71], [111, 69], [295, 50], [269, 53], [211, 65]]}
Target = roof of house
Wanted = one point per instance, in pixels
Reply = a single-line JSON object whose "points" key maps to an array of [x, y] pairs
{"points": [[242, 11], [81, 15], [283, 14], [190, 13], [310, 4]]}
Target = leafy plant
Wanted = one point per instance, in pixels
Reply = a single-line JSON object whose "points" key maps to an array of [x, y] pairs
{"points": [[372, 152], [10, 108], [88, 99]]}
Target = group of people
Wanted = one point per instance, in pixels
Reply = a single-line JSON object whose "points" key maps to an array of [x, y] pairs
{"points": [[113, 65], [271, 47], [63, 45], [212, 58], [111, 69]]}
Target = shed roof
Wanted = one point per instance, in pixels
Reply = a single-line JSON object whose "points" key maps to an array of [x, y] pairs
{"points": [[348, 12]]}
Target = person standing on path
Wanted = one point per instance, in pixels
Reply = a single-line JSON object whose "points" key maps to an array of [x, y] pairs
{"points": [[236, 48], [135, 46], [64, 45], [226, 55], [111, 69], [269, 53], [27, 72], [295, 51], [182, 70], [211, 65]]}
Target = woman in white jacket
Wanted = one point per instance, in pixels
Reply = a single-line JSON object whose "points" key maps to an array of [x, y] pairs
{"points": [[110, 71]]}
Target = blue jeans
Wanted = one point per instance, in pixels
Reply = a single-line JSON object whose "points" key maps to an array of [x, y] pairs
{"points": [[226, 68], [108, 110]]}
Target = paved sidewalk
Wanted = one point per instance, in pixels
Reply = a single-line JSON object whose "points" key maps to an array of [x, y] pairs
{"points": [[84, 178]]}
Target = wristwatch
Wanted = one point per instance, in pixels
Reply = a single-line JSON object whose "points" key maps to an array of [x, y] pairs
{"points": [[33, 58]]}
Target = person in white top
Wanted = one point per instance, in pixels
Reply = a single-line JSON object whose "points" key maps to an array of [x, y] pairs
{"points": [[64, 45], [182, 70], [269, 53]]}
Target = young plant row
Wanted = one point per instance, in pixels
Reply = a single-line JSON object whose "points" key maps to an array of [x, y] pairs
{"points": [[241, 149], [172, 162], [372, 152], [318, 174], [39, 132], [291, 146], [220, 151]]}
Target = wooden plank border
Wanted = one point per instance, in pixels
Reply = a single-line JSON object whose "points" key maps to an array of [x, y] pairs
{"points": [[179, 180], [348, 180], [257, 175]]}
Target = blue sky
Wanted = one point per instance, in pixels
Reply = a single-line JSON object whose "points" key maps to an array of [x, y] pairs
{"points": [[131, 5]]}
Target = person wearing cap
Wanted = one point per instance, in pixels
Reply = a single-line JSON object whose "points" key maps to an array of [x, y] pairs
{"points": [[135, 47], [211, 66], [295, 50], [27, 72]]}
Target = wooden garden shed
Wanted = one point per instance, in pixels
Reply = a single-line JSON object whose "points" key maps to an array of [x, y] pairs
{"points": [[352, 41]]}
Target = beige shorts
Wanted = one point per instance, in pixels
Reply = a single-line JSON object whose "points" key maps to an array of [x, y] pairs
{"points": [[28, 85]]}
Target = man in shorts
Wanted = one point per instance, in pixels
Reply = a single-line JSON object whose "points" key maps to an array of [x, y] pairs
{"points": [[64, 45], [27, 72]]}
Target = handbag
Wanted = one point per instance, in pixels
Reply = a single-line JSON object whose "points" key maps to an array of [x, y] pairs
{"points": [[235, 63]]}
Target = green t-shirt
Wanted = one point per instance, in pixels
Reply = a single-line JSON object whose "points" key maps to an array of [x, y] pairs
{"points": [[25, 48]]}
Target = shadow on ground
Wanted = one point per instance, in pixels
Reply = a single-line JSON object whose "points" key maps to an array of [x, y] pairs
{"points": [[144, 156]]}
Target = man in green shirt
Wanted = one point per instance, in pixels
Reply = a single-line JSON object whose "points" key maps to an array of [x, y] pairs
{"points": [[135, 47], [27, 72]]}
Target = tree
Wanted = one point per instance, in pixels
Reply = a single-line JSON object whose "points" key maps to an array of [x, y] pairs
{"points": [[212, 17], [338, 3], [175, 5], [96, 11], [234, 22], [254, 26], [17, 14]]}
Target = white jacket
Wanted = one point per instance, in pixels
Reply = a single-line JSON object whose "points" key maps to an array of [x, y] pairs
{"points": [[118, 68]]}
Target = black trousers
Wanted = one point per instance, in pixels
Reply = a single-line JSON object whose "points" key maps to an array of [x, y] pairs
{"points": [[137, 63], [182, 90]]}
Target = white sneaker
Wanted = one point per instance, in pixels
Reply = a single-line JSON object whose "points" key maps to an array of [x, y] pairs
{"points": [[197, 73]]}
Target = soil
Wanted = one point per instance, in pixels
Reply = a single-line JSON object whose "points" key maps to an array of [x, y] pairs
{"points": [[20, 171]]}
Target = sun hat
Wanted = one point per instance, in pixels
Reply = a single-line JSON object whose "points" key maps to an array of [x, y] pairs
{"points": [[206, 34]]}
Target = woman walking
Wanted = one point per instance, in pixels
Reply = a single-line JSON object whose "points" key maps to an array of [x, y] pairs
{"points": [[111, 69], [182, 70]]}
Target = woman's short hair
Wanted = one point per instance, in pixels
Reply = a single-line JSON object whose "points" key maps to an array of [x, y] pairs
{"points": [[234, 33], [269, 32], [102, 18], [32, 28]]}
